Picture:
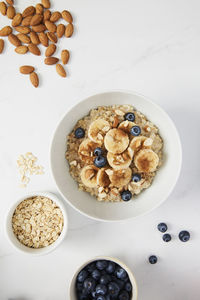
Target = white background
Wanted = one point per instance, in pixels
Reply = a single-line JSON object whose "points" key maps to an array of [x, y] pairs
{"points": [[153, 48]]}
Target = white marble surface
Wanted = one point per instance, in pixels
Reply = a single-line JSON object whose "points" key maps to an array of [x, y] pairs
{"points": [[151, 47]]}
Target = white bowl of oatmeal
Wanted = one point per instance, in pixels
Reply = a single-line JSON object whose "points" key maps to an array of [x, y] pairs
{"points": [[37, 223], [138, 162]]}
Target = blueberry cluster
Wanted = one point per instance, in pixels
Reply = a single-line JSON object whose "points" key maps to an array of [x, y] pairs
{"points": [[103, 280]]}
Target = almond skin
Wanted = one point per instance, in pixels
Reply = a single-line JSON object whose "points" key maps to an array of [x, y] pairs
{"points": [[69, 30], [34, 79], [10, 12], [60, 30], [24, 38], [13, 39], [43, 39], [51, 60], [67, 16], [39, 28], [17, 20], [26, 69], [65, 56], [10, 2], [34, 38], [52, 37], [60, 70], [36, 20], [5, 31], [23, 29], [39, 9], [47, 15], [21, 49], [3, 8], [27, 21], [55, 16], [46, 3], [29, 11], [1, 45], [50, 50], [34, 49], [50, 26]]}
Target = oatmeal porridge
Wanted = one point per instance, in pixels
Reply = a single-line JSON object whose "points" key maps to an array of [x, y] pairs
{"points": [[114, 152]]}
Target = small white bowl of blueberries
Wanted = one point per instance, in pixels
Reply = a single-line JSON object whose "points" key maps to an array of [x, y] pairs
{"points": [[103, 278]]}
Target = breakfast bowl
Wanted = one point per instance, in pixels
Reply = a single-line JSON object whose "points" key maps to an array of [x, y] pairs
{"points": [[37, 223], [93, 272], [150, 198]]}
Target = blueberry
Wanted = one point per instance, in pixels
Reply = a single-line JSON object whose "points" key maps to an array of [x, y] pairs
{"points": [[121, 273], [111, 267], [98, 151], [162, 227], [153, 259], [100, 161], [101, 289], [119, 282], [100, 297], [108, 297], [167, 237], [82, 276], [126, 195], [91, 267], [93, 294], [96, 274], [135, 130], [124, 295], [79, 133], [101, 264], [113, 289], [136, 177], [82, 297], [128, 287], [89, 284], [105, 279], [79, 286], [130, 116], [184, 236]]}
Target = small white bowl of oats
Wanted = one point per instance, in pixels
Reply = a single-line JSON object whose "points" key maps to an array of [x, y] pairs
{"points": [[37, 223]]}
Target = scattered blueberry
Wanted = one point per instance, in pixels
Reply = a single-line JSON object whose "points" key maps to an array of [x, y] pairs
{"points": [[100, 161], [98, 151], [113, 289], [126, 195], [105, 279], [79, 133], [96, 274], [121, 273], [101, 289], [135, 130], [82, 276], [184, 236], [111, 267], [100, 297], [153, 259], [167, 237], [101, 264], [124, 295], [162, 227], [89, 284], [136, 177], [91, 267], [130, 116], [128, 287]]}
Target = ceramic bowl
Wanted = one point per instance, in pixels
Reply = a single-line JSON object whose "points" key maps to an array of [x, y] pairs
{"points": [[149, 199]]}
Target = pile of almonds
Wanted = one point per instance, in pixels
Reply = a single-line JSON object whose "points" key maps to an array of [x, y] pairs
{"points": [[37, 25]]}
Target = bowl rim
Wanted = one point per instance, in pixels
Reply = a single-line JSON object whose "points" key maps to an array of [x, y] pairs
{"points": [[159, 108], [114, 259], [39, 251]]}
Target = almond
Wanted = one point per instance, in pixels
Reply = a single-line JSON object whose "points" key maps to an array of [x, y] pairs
{"points": [[29, 11], [47, 15], [50, 26], [5, 31], [34, 49], [13, 39], [51, 60], [26, 69], [52, 37], [27, 21], [10, 2], [24, 38], [39, 9], [39, 28], [43, 39], [3, 8], [23, 29], [36, 20], [60, 30], [60, 70], [65, 56], [55, 16], [17, 20], [67, 16], [1, 45], [50, 50], [21, 49], [10, 12], [69, 30], [46, 3], [34, 79], [34, 38]]}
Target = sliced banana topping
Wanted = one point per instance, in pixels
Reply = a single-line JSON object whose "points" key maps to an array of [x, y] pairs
{"points": [[116, 141], [146, 160], [126, 126], [89, 176], [97, 130], [119, 178], [140, 142], [86, 151], [120, 161], [103, 178]]}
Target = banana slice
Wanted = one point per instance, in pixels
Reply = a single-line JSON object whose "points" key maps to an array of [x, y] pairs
{"points": [[102, 178], [140, 142], [97, 130], [120, 161], [119, 178], [86, 151], [146, 160], [89, 176], [116, 141], [126, 126]]}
